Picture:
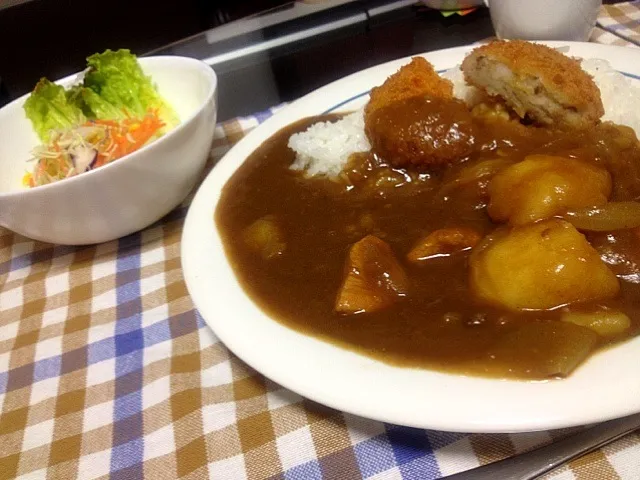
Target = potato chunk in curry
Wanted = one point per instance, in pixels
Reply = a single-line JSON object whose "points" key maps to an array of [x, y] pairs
{"points": [[265, 237], [555, 348], [373, 278], [542, 186], [539, 266]]}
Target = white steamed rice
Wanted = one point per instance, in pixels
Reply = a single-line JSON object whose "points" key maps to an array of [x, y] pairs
{"points": [[470, 94], [620, 95], [325, 147]]}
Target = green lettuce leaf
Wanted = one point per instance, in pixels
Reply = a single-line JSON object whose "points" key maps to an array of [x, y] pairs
{"points": [[49, 109], [114, 87], [96, 106], [116, 77]]}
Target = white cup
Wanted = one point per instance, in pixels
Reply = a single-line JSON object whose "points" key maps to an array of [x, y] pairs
{"points": [[544, 19]]}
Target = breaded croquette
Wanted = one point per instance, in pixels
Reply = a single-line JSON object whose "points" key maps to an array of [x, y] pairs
{"points": [[413, 118], [422, 131], [537, 82], [414, 79]]}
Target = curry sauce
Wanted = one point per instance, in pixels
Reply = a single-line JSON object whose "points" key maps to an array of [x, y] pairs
{"points": [[439, 324]]}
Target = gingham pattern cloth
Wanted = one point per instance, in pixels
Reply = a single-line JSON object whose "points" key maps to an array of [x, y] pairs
{"points": [[618, 24], [108, 371]]}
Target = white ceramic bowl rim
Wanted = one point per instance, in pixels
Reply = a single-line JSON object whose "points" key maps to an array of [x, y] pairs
{"points": [[129, 157]]}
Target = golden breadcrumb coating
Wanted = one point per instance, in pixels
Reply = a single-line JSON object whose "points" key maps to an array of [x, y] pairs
{"points": [[404, 122], [414, 79], [535, 81]]}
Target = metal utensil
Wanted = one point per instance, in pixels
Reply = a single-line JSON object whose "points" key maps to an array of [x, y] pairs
{"points": [[532, 464]]}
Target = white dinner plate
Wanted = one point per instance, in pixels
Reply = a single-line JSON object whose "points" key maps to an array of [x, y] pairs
{"points": [[604, 387]]}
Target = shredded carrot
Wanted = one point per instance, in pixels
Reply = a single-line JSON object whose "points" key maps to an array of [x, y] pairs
{"points": [[119, 139], [130, 134]]}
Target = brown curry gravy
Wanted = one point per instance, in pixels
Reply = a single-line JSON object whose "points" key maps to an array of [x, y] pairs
{"points": [[438, 325]]}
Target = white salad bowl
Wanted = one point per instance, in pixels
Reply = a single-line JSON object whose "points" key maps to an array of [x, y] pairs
{"points": [[126, 195]]}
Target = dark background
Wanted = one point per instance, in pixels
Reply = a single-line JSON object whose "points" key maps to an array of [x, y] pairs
{"points": [[52, 38]]}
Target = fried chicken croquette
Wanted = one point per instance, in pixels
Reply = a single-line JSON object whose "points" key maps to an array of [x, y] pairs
{"points": [[422, 131], [414, 79], [537, 82], [413, 118]]}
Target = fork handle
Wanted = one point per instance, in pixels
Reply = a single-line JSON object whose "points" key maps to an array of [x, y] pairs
{"points": [[532, 464]]}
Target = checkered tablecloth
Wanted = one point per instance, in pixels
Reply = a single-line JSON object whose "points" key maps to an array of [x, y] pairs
{"points": [[107, 371], [618, 24]]}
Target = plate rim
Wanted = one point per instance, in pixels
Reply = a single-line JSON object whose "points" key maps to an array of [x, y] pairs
{"points": [[403, 411]]}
